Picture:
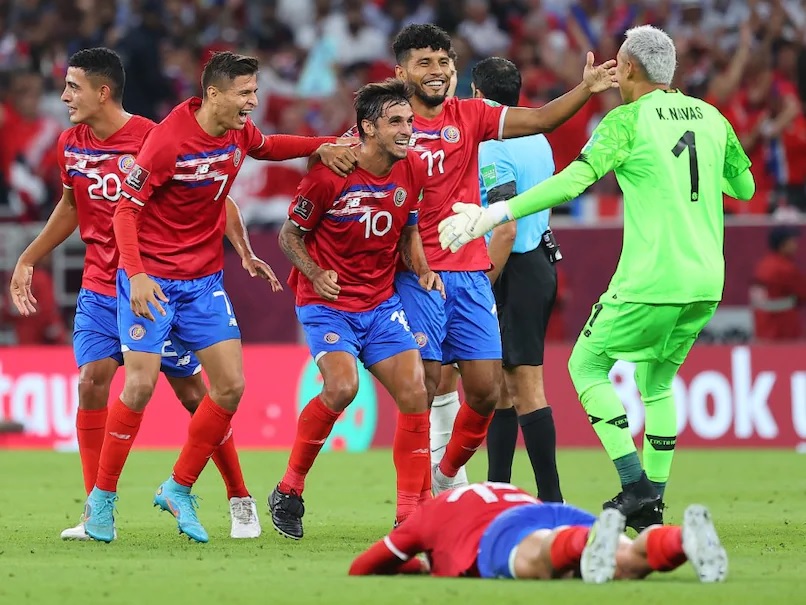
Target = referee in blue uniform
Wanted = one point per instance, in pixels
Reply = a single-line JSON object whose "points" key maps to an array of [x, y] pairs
{"points": [[524, 280]]}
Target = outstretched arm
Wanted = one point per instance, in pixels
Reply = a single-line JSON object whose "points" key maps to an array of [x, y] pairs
{"points": [[379, 559], [62, 222], [238, 236], [520, 121]]}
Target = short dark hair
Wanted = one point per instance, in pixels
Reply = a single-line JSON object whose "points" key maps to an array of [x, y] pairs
{"points": [[416, 36], [102, 63], [223, 67], [498, 80], [371, 99]]}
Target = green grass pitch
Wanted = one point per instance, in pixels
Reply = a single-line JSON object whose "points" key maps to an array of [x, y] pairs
{"points": [[758, 499]]}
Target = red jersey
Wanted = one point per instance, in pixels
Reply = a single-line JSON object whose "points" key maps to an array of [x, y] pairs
{"points": [[778, 289], [354, 226], [448, 529], [95, 169], [449, 145], [184, 175]]}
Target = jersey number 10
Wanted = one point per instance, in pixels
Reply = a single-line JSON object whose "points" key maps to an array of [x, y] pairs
{"points": [[687, 141]]}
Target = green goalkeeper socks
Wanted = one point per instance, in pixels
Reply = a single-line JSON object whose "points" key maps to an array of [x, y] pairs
{"points": [[608, 418], [660, 437]]}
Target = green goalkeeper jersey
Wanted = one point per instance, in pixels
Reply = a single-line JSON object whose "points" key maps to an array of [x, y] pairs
{"points": [[670, 153]]}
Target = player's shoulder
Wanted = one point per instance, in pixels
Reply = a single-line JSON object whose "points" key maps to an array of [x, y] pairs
{"points": [[324, 179], [75, 135], [139, 125]]}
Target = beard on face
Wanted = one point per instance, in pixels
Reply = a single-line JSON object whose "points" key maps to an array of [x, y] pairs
{"points": [[430, 100]]}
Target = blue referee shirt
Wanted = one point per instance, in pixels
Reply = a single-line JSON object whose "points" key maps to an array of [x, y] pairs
{"points": [[527, 161]]}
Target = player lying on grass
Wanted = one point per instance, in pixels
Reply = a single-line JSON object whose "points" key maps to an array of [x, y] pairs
{"points": [[496, 530]]}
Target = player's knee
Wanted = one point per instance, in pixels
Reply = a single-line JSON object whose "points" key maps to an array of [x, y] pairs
{"points": [[338, 393], [93, 393], [412, 397], [227, 393], [483, 398], [190, 395], [138, 390]]}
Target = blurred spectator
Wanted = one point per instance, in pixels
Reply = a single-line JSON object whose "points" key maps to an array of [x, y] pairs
{"points": [[778, 288]]}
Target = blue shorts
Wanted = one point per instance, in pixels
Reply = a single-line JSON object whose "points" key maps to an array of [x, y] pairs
{"points": [[198, 314], [95, 337], [464, 327], [499, 543], [371, 336]]}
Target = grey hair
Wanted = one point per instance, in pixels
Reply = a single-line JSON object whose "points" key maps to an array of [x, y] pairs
{"points": [[654, 50]]}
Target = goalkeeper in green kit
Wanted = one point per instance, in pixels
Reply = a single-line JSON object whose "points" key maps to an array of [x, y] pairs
{"points": [[673, 156]]}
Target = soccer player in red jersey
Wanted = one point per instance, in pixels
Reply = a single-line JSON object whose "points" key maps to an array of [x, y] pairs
{"points": [[464, 328], [496, 530], [95, 157], [168, 227], [344, 236]]}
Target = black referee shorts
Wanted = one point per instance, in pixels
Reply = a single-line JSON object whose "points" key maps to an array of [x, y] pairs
{"points": [[524, 295]]}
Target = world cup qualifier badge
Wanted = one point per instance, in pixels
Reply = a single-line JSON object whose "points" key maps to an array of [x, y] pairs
{"points": [[137, 331], [126, 163], [236, 158], [400, 196], [451, 134]]}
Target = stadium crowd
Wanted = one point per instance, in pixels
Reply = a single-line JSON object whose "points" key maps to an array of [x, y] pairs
{"points": [[746, 57]]}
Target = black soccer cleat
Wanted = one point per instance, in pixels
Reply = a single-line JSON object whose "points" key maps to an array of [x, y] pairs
{"points": [[640, 511], [286, 513]]}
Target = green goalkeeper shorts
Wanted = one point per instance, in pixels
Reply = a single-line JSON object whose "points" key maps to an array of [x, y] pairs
{"points": [[644, 332]]}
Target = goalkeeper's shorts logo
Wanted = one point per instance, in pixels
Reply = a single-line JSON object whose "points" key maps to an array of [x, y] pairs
{"points": [[421, 339], [331, 338]]}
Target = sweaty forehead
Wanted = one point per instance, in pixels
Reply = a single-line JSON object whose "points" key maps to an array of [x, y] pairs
{"points": [[396, 109], [244, 83]]}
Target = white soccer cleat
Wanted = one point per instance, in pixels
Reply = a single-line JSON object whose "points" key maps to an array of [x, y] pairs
{"points": [[702, 546], [598, 564], [440, 483], [245, 521], [78, 532]]}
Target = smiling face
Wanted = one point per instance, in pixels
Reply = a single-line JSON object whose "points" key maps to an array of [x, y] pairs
{"points": [[392, 131], [428, 72], [232, 105], [82, 95]]}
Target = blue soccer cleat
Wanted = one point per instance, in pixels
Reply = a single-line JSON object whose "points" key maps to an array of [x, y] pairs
{"points": [[178, 501], [99, 515]]}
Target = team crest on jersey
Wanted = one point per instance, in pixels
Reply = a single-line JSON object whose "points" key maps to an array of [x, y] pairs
{"points": [[421, 339], [451, 134], [137, 331], [137, 178], [236, 158], [400, 196], [331, 338], [126, 163]]}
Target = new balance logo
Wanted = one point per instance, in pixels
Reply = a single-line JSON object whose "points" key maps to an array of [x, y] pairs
{"points": [[120, 436], [423, 450], [469, 449]]}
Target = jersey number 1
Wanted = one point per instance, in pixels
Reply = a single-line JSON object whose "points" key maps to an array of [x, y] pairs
{"points": [[687, 141]]}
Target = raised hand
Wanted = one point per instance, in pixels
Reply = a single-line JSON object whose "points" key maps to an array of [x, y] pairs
{"points": [[601, 78]]}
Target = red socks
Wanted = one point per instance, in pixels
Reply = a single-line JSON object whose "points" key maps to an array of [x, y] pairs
{"points": [[122, 425], [412, 457], [469, 431], [90, 425], [209, 428], [226, 459], [315, 422], [566, 550], [664, 548]]}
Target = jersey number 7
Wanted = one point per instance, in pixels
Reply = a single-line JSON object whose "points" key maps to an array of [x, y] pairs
{"points": [[688, 141]]}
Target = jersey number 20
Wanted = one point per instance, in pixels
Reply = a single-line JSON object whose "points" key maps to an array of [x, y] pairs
{"points": [[687, 141]]}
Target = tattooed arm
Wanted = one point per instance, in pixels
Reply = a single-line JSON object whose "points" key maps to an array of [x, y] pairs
{"points": [[292, 243], [413, 256]]}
